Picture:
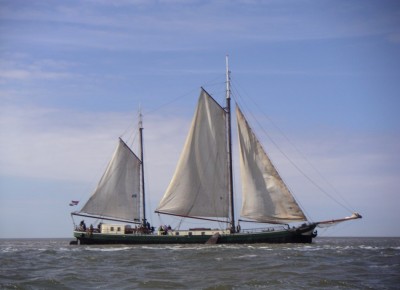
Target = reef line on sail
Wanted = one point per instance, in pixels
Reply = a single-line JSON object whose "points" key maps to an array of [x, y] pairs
{"points": [[193, 217], [272, 222], [106, 218]]}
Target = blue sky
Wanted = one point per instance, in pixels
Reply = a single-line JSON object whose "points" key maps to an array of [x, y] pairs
{"points": [[74, 73]]}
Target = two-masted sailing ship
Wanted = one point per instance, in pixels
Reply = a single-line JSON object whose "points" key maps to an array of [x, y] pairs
{"points": [[201, 188]]}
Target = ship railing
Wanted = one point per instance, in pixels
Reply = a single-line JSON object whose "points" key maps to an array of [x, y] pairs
{"points": [[97, 231], [263, 229]]}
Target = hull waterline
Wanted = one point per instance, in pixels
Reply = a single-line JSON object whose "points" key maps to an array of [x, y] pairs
{"points": [[303, 234]]}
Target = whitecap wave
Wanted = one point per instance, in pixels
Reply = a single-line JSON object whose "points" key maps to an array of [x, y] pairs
{"points": [[107, 249]]}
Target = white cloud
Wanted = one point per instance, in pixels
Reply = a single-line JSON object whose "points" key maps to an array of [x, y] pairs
{"points": [[69, 145], [196, 25], [21, 67], [19, 74]]}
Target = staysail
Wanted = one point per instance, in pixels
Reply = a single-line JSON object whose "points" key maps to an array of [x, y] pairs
{"points": [[266, 198], [117, 195], [199, 187]]}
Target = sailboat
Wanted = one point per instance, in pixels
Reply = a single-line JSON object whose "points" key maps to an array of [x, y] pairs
{"points": [[201, 188]]}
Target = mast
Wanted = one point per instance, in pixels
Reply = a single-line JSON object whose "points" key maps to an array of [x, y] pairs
{"points": [[228, 109], [142, 167]]}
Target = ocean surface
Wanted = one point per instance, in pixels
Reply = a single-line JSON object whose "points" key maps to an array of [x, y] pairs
{"points": [[328, 263]]}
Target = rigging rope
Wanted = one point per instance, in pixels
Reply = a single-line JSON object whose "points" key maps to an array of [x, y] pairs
{"points": [[288, 158], [189, 93]]}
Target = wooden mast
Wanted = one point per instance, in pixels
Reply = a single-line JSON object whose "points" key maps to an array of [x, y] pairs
{"points": [[228, 109], [142, 167]]}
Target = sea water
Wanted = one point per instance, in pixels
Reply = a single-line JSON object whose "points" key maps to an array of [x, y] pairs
{"points": [[328, 263]]}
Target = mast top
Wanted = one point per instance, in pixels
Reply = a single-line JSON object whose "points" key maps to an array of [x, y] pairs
{"points": [[228, 78], [140, 119]]}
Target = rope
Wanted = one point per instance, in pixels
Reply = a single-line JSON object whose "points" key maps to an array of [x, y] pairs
{"points": [[287, 157]]}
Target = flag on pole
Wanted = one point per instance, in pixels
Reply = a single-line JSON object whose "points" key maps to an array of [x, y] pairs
{"points": [[73, 202]]}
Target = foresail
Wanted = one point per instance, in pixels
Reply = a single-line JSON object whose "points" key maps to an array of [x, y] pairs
{"points": [[266, 198], [118, 193], [199, 187]]}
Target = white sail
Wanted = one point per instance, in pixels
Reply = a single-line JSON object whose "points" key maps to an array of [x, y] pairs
{"points": [[118, 193], [199, 187], [266, 198]]}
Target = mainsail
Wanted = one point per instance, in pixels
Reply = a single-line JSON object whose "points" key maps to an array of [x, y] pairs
{"points": [[266, 198], [199, 187], [117, 195]]}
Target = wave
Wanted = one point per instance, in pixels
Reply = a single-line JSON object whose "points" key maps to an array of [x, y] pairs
{"points": [[116, 249]]}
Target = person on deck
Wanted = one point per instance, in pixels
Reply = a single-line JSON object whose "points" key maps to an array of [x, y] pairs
{"points": [[82, 226]]}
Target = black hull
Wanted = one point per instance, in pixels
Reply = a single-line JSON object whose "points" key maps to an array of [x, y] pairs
{"points": [[303, 234]]}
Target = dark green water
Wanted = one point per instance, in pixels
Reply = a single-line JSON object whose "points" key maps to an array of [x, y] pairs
{"points": [[329, 263]]}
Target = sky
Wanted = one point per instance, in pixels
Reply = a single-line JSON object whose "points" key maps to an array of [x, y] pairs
{"points": [[323, 78]]}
